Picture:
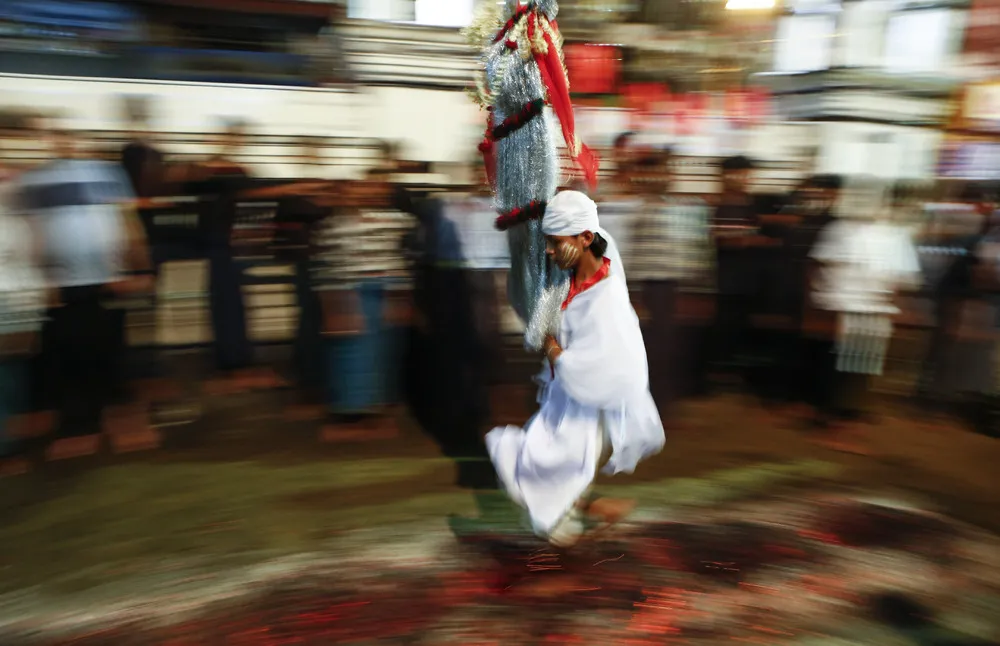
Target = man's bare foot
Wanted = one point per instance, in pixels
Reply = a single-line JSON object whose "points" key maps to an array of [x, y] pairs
{"points": [[262, 379], [68, 448], [10, 467], [224, 386], [124, 418], [146, 439], [153, 391], [845, 440], [305, 412], [609, 511], [32, 425], [382, 427]]}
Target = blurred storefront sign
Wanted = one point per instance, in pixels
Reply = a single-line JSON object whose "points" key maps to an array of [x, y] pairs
{"points": [[698, 123], [969, 159], [594, 69], [981, 108], [746, 107]]}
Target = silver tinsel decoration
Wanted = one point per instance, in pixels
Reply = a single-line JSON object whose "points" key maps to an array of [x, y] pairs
{"points": [[527, 171], [546, 316]]}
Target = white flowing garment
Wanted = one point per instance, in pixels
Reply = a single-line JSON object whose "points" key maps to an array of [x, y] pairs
{"points": [[600, 390]]}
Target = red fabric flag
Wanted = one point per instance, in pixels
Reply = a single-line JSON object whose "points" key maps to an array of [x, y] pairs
{"points": [[554, 78]]}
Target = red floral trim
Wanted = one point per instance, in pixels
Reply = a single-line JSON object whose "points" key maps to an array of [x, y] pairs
{"points": [[532, 211], [576, 289], [521, 11], [517, 121]]}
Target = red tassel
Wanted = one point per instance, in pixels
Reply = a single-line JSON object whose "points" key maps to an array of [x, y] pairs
{"points": [[554, 78], [489, 154], [523, 9], [532, 211]]}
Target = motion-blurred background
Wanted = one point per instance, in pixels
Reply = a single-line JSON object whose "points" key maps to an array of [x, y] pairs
{"points": [[252, 298]]}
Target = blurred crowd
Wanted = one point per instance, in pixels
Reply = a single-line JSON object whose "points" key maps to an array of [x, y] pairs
{"points": [[794, 298]]}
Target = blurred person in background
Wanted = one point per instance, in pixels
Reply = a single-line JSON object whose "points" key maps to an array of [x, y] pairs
{"points": [[813, 206], [618, 198], [485, 257], [22, 298], [622, 154], [298, 218], [219, 186], [862, 260], [448, 372], [142, 160], [366, 285], [736, 231], [94, 248], [774, 320], [960, 367], [329, 57], [669, 255]]}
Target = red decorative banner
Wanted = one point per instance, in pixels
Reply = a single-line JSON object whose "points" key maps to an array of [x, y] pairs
{"points": [[746, 106], [593, 69], [689, 111]]}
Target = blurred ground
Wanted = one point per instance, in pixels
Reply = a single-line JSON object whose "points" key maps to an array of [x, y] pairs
{"points": [[243, 496]]}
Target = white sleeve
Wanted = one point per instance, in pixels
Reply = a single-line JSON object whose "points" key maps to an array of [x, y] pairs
{"points": [[604, 364], [908, 267], [829, 246]]}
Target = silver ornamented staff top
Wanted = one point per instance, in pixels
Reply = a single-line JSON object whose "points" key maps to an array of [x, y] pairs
{"points": [[522, 66]]}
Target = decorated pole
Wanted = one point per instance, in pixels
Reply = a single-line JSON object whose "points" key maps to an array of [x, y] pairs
{"points": [[523, 72]]}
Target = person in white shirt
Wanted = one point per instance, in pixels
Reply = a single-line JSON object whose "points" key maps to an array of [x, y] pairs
{"points": [[90, 240], [22, 304], [863, 260], [595, 401]]}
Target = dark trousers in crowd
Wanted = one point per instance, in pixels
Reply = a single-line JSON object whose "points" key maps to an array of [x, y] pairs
{"points": [[78, 343], [666, 369], [233, 350], [835, 395], [231, 345], [446, 381], [486, 317], [357, 363], [118, 386], [307, 356], [732, 330], [13, 397], [775, 371]]}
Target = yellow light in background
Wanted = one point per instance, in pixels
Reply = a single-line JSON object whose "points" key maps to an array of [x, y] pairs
{"points": [[749, 5]]}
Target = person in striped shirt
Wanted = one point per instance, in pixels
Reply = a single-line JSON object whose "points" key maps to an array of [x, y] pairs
{"points": [[670, 258], [365, 284]]}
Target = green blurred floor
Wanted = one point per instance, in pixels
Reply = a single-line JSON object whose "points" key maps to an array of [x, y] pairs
{"points": [[243, 487]]}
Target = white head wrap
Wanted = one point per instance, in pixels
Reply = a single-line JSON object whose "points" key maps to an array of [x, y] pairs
{"points": [[570, 213]]}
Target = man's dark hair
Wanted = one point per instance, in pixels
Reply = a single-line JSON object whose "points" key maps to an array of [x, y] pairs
{"points": [[827, 182], [388, 149], [974, 192], [770, 203], [649, 160], [623, 139], [736, 163], [599, 246]]}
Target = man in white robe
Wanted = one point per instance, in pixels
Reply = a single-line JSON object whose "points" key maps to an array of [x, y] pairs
{"points": [[594, 395]]}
